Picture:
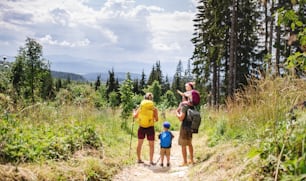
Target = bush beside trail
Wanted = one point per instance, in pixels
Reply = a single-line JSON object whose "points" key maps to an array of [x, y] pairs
{"points": [[62, 143]]}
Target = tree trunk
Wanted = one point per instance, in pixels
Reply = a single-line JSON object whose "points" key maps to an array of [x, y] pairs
{"points": [[266, 26], [233, 47], [218, 85], [277, 54], [214, 81], [269, 63]]}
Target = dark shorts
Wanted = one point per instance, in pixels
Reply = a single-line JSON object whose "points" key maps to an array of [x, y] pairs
{"points": [[146, 132]]}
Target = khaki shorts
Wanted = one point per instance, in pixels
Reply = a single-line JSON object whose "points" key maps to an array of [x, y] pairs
{"points": [[165, 151], [184, 142], [185, 137]]}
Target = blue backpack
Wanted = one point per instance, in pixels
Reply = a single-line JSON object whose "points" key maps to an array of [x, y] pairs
{"points": [[165, 139]]}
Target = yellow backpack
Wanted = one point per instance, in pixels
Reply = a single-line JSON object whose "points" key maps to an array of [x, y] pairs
{"points": [[146, 114]]}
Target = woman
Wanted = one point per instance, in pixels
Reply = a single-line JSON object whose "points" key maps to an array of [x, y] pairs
{"points": [[147, 115], [185, 137]]}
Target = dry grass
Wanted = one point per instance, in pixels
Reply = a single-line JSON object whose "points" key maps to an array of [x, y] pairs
{"points": [[237, 127], [85, 164], [222, 162], [264, 102]]}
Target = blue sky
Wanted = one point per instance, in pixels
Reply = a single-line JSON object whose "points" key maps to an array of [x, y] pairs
{"points": [[83, 36]]}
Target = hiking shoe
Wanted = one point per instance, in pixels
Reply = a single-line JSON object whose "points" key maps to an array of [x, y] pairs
{"points": [[140, 161], [161, 164], [168, 164]]}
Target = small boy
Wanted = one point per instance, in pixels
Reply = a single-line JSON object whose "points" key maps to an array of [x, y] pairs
{"points": [[165, 143]]}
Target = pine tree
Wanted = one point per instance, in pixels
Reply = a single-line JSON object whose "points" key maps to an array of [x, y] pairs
{"points": [[178, 81], [18, 75], [136, 89], [188, 72], [126, 97], [247, 39], [142, 82], [166, 85], [224, 45], [31, 73], [156, 74], [155, 88], [211, 42], [112, 83], [58, 84], [98, 82]]}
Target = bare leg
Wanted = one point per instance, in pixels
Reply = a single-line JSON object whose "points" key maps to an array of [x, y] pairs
{"points": [[184, 153], [140, 142], [191, 153], [168, 159], [151, 145], [161, 159]]}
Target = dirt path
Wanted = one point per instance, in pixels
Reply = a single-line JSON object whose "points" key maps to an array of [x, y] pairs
{"points": [[140, 172]]}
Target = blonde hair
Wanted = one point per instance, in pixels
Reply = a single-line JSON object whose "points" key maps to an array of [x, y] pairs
{"points": [[149, 96]]}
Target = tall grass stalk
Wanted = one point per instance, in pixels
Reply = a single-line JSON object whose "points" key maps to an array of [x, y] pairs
{"points": [[262, 104], [261, 112]]}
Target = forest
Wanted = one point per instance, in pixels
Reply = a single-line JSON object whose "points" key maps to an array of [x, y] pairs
{"points": [[248, 63]]}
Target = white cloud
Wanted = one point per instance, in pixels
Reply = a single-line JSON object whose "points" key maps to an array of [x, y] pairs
{"points": [[194, 2], [166, 47], [113, 30], [49, 40], [170, 30]]}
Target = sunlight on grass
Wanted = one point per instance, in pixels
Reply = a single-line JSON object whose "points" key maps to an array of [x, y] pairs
{"points": [[259, 118], [68, 130], [79, 141]]}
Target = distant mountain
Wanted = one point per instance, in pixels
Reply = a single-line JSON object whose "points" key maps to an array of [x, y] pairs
{"points": [[83, 66], [91, 77], [66, 75], [121, 76]]}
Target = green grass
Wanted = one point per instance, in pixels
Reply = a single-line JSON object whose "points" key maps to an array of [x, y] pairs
{"points": [[259, 116], [65, 142], [53, 136], [51, 141]]}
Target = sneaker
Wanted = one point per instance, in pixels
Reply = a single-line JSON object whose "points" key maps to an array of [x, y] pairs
{"points": [[168, 164], [152, 163], [161, 164], [140, 161]]}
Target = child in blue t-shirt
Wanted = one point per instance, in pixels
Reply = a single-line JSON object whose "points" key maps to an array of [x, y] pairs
{"points": [[165, 143]]}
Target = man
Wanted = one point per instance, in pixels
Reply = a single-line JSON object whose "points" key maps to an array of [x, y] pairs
{"points": [[146, 115], [185, 136]]}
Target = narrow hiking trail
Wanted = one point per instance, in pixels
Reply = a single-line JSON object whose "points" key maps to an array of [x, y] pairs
{"points": [[139, 172], [222, 162]]}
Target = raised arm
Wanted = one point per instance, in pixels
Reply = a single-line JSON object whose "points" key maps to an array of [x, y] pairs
{"points": [[180, 115]]}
